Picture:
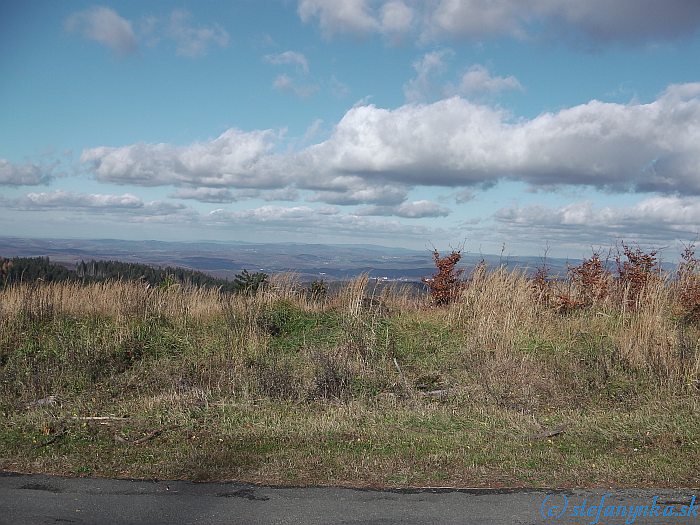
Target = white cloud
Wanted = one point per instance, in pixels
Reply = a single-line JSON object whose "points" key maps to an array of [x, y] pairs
{"points": [[671, 211], [235, 158], [126, 205], [410, 210], [656, 219], [624, 20], [478, 18], [428, 67], [396, 17], [317, 221], [596, 20], [339, 16], [67, 199], [290, 58], [356, 191], [454, 142], [216, 195], [105, 26], [194, 41], [374, 155], [477, 80], [222, 195], [463, 196], [286, 83], [281, 194], [27, 174]]}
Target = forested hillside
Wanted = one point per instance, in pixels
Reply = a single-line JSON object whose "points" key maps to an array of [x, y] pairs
{"points": [[31, 269]]}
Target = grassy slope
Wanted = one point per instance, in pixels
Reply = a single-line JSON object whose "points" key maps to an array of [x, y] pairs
{"points": [[280, 389]]}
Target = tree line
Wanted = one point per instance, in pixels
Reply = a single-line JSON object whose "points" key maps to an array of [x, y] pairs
{"points": [[32, 269]]}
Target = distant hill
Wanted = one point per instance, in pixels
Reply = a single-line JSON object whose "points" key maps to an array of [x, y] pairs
{"points": [[224, 260], [31, 269]]}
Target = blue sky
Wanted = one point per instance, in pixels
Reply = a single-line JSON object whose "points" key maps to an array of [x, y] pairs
{"points": [[541, 124]]}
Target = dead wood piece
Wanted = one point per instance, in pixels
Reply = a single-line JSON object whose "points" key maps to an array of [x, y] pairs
{"points": [[100, 418], [46, 401], [58, 435], [439, 393], [151, 435], [154, 434], [548, 433]]}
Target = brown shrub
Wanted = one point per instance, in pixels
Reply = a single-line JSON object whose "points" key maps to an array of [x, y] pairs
{"points": [[591, 279], [634, 274], [541, 286], [445, 285], [688, 284]]}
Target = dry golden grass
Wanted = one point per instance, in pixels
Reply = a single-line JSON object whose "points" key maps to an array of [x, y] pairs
{"points": [[364, 386]]}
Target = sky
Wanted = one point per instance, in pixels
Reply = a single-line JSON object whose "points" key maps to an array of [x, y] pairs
{"points": [[555, 126]]}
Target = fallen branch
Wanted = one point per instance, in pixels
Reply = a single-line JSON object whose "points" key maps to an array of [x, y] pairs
{"points": [[58, 435], [147, 437], [439, 393], [403, 377], [99, 418], [46, 401], [548, 433]]}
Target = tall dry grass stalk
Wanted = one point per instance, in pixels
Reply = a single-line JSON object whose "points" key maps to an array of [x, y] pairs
{"points": [[350, 296], [647, 336], [497, 308], [284, 286], [117, 299], [497, 314]]}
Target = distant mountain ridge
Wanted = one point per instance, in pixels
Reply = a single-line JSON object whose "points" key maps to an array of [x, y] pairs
{"points": [[226, 259]]}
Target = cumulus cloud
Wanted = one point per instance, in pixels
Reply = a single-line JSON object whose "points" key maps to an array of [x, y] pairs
{"points": [[455, 142], [340, 16], [428, 67], [478, 80], [597, 20], [66, 199], [655, 219], [289, 58], [625, 20], [281, 194], [317, 221], [463, 196], [214, 195], [194, 41], [374, 156], [105, 26], [123, 205], [27, 174], [235, 158], [410, 210], [222, 195], [355, 191], [286, 83], [478, 18], [396, 17]]}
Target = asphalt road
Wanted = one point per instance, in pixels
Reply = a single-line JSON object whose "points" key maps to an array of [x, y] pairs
{"points": [[34, 499]]}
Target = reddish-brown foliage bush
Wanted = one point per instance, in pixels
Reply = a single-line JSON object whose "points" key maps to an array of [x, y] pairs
{"points": [[445, 285], [638, 271], [540, 284], [565, 303], [689, 284], [591, 278]]}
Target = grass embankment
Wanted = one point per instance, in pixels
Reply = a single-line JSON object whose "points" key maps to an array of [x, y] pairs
{"points": [[497, 389]]}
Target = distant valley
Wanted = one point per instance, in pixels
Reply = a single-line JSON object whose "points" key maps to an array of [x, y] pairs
{"points": [[225, 259]]}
